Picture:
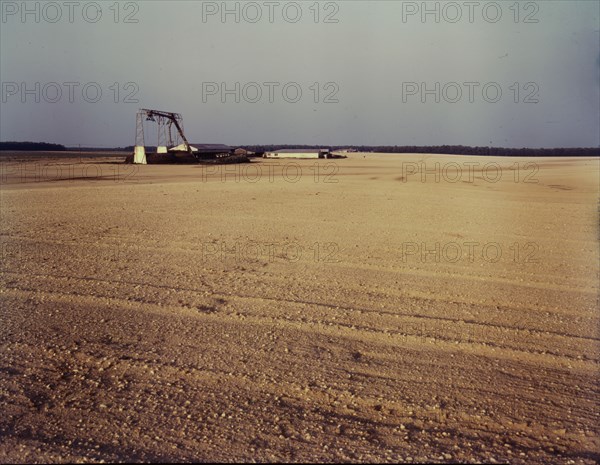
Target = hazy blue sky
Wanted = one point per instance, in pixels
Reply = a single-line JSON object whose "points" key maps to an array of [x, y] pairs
{"points": [[375, 65]]}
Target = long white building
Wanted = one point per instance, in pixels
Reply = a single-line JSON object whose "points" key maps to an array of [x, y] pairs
{"points": [[298, 153]]}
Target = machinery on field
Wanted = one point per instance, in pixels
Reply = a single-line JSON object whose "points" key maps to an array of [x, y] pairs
{"points": [[173, 146]]}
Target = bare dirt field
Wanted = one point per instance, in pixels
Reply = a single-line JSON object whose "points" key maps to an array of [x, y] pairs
{"points": [[377, 308]]}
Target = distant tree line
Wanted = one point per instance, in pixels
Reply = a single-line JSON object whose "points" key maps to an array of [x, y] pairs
{"points": [[108, 149], [32, 146], [446, 149]]}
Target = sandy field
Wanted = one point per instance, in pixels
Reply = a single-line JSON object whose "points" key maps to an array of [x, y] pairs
{"points": [[376, 308]]}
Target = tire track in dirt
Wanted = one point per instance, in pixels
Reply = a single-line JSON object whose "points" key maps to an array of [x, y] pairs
{"points": [[433, 337]]}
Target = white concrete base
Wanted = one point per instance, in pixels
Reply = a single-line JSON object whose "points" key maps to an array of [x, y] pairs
{"points": [[139, 155]]}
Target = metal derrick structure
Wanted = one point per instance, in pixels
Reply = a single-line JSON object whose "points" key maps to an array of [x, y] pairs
{"points": [[169, 148], [165, 121]]}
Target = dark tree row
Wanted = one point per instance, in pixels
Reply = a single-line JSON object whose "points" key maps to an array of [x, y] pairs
{"points": [[448, 149], [445, 149], [32, 146]]}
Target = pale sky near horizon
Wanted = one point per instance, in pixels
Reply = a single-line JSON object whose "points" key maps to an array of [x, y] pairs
{"points": [[375, 64]]}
